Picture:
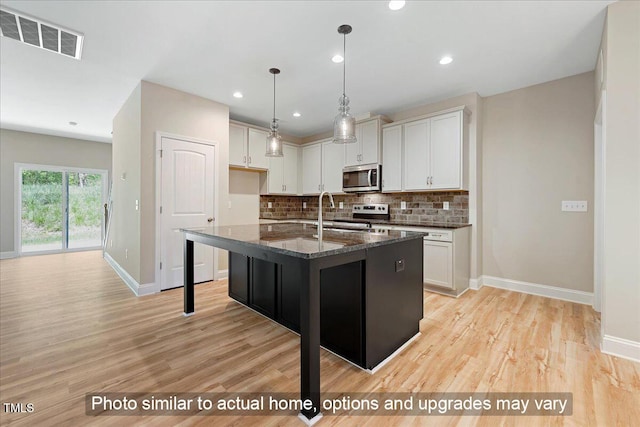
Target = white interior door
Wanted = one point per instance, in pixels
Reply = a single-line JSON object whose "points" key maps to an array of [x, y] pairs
{"points": [[187, 202]]}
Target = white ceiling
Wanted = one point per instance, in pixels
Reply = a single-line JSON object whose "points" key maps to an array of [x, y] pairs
{"points": [[212, 49]]}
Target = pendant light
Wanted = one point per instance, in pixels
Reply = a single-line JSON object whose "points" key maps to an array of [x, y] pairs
{"points": [[274, 141], [344, 125]]}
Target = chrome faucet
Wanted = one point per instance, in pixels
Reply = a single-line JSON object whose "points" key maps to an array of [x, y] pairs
{"points": [[320, 212]]}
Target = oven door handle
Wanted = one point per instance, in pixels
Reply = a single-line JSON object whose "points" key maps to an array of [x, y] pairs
{"points": [[369, 177]]}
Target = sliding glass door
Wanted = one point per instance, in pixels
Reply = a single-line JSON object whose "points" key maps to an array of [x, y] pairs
{"points": [[60, 208], [85, 210]]}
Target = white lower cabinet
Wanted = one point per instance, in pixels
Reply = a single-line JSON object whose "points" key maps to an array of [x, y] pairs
{"points": [[438, 263]]}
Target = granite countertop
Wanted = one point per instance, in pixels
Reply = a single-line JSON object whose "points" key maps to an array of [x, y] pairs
{"points": [[301, 240], [382, 222]]}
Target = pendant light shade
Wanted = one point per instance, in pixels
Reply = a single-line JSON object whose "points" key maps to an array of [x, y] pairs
{"points": [[274, 141], [344, 125]]}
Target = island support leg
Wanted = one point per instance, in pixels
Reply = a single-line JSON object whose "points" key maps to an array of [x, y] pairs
{"points": [[310, 341], [189, 306]]}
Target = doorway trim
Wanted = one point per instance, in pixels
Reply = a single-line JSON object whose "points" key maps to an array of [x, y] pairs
{"points": [[158, 164], [17, 203], [600, 144]]}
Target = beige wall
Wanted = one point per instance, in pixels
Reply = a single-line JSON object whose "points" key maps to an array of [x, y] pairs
{"points": [[244, 187], [25, 147], [124, 231], [538, 151], [621, 287]]}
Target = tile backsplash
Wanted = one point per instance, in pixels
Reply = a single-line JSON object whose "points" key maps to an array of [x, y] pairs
{"points": [[421, 207]]}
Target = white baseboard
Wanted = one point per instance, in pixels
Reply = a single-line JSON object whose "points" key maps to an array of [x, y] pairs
{"points": [[147, 289], [475, 284], [621, 347], [571, 295], [8, 255], [223, 274], [136, 288]]}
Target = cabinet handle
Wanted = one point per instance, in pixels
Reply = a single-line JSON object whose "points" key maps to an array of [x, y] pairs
{"points": [[244, 159], [318, 186], [285, 187], [249, 159]]}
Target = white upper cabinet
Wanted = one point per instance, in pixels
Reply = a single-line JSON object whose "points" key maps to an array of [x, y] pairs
{"points": [[290, 178], [247, 147], [312, 169], [256, 157], [416, 158], [237, 145], [392, 158], [367, 147], [322, 163], [283, 171], [434, 153], [332, 164], [369, 142], [445, 142]]}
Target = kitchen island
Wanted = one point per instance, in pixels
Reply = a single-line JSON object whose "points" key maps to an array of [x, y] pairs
{"points": [[357, 293]]}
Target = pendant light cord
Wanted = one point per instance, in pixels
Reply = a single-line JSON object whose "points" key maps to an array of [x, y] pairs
{"points": [[344, 64], [274, 97]]}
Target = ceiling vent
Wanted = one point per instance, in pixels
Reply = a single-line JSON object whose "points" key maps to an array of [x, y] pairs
{"points": [[38, 33]]}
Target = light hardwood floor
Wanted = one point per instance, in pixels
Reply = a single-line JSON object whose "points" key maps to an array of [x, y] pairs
{"points": [[69, 326]]}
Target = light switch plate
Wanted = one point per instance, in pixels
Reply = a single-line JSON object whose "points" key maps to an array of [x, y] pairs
{"points": [[574, 206]]}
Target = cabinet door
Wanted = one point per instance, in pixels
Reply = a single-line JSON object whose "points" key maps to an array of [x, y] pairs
{"points": [[237, 145], [438, 263], [332, 164], [290, 170], [392, 158], [262, 297], [352, 151], [257, 149], [369, 147], [276, 175], [446, 151], [311, 169], [416, 148], [239, 277]]}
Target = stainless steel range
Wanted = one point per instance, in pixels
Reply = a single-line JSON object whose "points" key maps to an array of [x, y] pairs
{"points": [[362, 217]]}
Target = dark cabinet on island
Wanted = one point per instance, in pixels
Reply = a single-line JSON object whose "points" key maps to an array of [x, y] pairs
{"points": [[368, 309]]}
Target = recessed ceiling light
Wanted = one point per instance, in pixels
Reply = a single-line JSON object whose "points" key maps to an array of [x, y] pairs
{"points": [[237, 94], [446, 60], [396, 5], [73, 123], [337, 59], [296, 114]]}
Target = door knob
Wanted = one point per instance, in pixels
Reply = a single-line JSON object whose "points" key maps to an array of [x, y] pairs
{"points": [[209, 219]]}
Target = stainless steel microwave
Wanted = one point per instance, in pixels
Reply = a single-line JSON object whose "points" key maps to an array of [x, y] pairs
{"points": [[361, 178]]}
